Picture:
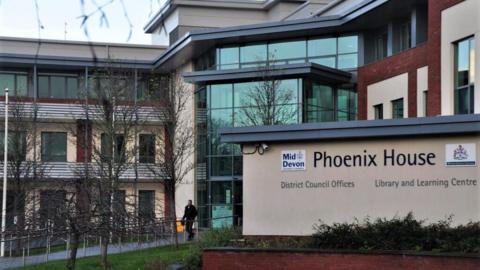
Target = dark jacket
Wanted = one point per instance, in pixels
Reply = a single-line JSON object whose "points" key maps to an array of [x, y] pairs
{"points": [[190, 212]]}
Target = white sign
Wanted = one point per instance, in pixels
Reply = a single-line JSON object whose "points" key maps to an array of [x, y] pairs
{"points": [[461, 154], [293, 160]]}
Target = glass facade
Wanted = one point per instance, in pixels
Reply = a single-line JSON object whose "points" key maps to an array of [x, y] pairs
{"points": [[57, 86], [277, 102], [334, 52], [16, 83], [464, 76]]}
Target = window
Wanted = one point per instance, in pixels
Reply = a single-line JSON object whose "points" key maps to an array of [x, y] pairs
{"points": [[17, 143], [425, 102], [404, 36], [320, 104], [464, 76], [397, 108], [146, 205], [346, 105], [52, 208], [228, 58], [381, 46], [119, 209], [54, 146], [378, 111], [289, 52], [106, 147], [146, 148], [323, 51], [253, 55], [16, 84], [62, 87], [347, 52], [341, 52]]}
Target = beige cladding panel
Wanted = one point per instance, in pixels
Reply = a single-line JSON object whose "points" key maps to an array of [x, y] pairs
{"points": [[295, 210], [212, 17], [422, 85], [70, 129], [458, 22], [131, 193], [384, 92]]}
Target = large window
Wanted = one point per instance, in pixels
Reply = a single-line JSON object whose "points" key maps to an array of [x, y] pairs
{"points": [[54, 146], [58, 86], [397, 108], [118, 148], [335, 52], [17, 84], [288, 52], [146, 148], [381, 45], [464, 76], [17, 143], [52, 208], [146, 205]]}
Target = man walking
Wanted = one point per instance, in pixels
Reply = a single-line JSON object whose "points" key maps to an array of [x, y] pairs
{"points": [[189, 217]]}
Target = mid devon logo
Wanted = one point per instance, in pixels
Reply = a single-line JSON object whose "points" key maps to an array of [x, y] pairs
{"points": [[460, 154], [293, 160]]}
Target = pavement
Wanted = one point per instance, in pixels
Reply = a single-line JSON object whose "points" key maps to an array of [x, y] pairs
{"points": [[17, 262]]}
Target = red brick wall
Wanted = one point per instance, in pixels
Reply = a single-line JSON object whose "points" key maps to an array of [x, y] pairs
{"points": [[84, 143], [405, 62], [262, 260], [427, 54]]}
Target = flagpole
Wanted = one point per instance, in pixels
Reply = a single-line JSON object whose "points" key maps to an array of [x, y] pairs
{"points": [[4, 197]]}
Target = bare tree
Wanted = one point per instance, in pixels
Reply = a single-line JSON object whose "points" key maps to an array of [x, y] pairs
{"points": [[23, 170], [267, 101], [173, 105], [113, 117]]}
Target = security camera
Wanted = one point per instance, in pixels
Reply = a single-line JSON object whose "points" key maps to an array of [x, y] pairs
{"points": [[264, 146]]}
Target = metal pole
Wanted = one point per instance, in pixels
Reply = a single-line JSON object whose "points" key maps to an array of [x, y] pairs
{"points": [[4, 198]]}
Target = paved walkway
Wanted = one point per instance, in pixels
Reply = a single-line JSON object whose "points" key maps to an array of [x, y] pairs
{"points": [[16, 262]]}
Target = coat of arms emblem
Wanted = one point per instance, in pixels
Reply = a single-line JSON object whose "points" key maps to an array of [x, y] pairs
{"points": [[460, 153]]}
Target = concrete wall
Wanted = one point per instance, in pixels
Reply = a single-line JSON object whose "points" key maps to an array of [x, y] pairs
{"points": [[294, 210], [458, 22], [384, 92]]}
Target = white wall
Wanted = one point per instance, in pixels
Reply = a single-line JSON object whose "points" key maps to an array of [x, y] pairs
{"points": [[422, 85], [458, 22], [384, 92]]}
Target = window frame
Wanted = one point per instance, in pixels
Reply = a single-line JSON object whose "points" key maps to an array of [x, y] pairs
{"points": [[43, 145], [65, 78], [396, 110], [470, 86]]}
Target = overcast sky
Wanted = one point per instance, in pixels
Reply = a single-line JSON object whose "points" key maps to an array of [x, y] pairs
{"points": [[18, 18]]}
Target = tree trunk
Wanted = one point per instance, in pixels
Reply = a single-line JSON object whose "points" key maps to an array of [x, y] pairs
{"points": [[104, 252], [75, 238]]}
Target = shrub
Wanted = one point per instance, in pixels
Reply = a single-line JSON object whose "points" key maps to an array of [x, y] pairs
{"points": [[405, 233], [212, 238]]}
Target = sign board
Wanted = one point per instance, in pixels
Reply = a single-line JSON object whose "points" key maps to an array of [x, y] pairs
{"points": [[459, 154], [293, 160], [338, 181]]}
